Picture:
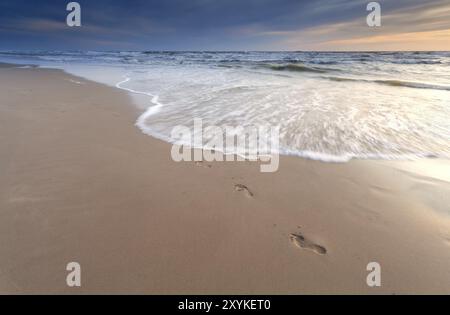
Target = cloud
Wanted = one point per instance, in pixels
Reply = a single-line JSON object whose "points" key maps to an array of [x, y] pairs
{"points": [[225, 25], [425, 26]]}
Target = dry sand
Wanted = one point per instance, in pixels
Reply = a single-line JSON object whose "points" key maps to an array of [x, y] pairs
{"points": [[79, 182]]}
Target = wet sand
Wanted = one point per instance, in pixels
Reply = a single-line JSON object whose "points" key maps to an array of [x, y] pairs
{"points": [[79, 182]]}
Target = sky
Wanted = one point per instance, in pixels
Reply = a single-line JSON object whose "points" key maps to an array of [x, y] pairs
{"points": [[275, 25]]}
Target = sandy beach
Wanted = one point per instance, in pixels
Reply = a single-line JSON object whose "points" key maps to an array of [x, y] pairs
{"points": [[79, 182]]}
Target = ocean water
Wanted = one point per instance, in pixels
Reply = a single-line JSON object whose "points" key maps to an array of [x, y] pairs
{"points": [[328, 106]]}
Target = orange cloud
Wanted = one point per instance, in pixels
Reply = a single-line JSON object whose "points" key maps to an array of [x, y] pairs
{"points": [[426, 27]]}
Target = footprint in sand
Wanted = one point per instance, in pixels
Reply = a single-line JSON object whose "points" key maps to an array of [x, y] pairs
{"points": [[300, 241], [240, 187]]}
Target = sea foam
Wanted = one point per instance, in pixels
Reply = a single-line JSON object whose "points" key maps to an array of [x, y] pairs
{"points": [[332, 107]]}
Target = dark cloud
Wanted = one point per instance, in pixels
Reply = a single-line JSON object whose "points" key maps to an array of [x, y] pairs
{"points": [[174, 24]]}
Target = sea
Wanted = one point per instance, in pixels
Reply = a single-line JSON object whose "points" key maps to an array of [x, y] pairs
{"points": [[328, 106]]}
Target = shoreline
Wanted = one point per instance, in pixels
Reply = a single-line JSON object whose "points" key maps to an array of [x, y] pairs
{"points": [[81, 183], [142, 101]]}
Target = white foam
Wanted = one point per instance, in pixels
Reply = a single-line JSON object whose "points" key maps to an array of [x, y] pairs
{"points": [[184, 109], [319, 119], [140, 122]]}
